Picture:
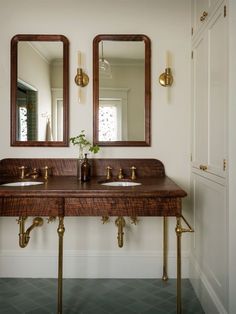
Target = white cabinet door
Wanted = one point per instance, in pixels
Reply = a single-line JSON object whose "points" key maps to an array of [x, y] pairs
{"points": [[210, 236], [213, 3], [218, 90], [200, 96], [210, 97]]}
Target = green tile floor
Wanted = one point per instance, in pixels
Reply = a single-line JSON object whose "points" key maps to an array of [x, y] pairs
{"points": [[96, 296]]}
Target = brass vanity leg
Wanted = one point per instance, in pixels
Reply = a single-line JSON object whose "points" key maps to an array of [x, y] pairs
{"points": [[60, 231], [178, 231], [165, 225]]}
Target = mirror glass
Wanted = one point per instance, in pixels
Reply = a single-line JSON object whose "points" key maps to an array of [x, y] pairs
{"points": [[121, 90], [39, 90]]}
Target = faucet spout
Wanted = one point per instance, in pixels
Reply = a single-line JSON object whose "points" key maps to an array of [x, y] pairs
{"points": [[120, 174]]}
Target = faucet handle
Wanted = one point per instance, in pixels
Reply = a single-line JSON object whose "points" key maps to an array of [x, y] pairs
{"points": [[22, 171], [109, 174], [45, 172], [133, 173]]}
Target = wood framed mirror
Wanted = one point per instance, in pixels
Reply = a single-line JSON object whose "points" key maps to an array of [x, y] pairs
{"points": [[122, 90], [39, 90]]}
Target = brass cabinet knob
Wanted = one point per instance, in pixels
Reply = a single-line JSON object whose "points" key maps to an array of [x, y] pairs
{"points": [[203, 17], [203, 167]]}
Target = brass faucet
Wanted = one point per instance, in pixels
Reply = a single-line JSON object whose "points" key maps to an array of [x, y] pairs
{"points": [[34, 173], [120, 174], [133, 173]]}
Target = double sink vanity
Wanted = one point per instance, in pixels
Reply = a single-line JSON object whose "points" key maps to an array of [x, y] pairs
{"points": [[49, 187], [152, 193]]}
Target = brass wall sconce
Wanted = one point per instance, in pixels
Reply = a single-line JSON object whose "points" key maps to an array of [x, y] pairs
{"points": [[81, 78], [166, 78]]}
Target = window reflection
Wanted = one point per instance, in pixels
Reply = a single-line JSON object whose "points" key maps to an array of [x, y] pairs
{"points": [[27, 123], [109, 120], [23, 134]]}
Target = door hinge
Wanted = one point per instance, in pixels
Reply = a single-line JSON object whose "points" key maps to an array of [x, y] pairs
{"points": [[192, 31], [224, 164], [192, 55], [224, 10]]}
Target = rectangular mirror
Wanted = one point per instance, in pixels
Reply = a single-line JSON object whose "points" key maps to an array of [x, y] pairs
{"points": [[121, 90], [39, 90]]}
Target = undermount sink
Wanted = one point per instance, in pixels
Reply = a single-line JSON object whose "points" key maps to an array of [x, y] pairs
{"points": [[121, 183], [22, 183]]}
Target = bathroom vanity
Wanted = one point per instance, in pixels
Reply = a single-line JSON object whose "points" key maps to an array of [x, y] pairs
{"points": [[63, 195]]}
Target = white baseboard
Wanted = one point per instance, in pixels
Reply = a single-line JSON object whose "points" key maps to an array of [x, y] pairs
{"points": [[207, 296], [90, 264]]}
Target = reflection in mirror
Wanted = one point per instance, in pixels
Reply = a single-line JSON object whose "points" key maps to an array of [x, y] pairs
{"points": [[121, 90], [39, 90]]}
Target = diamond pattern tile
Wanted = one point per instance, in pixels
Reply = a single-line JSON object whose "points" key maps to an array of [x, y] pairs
{"points": [[96, 296]]}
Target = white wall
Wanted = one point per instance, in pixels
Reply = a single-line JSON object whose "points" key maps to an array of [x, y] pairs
{"points": [[56, 72], [167, 23]]}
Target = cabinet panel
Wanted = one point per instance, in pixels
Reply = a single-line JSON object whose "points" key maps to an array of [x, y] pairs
{"points": [[218, 69], [210, 223], [209, 185], [210, 96], [32, 206], [100, 206], [200, 95], [213, 3]]}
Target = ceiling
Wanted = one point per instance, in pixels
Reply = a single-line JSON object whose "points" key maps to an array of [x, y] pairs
{"points": [[50, 50], [123, 49]]}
